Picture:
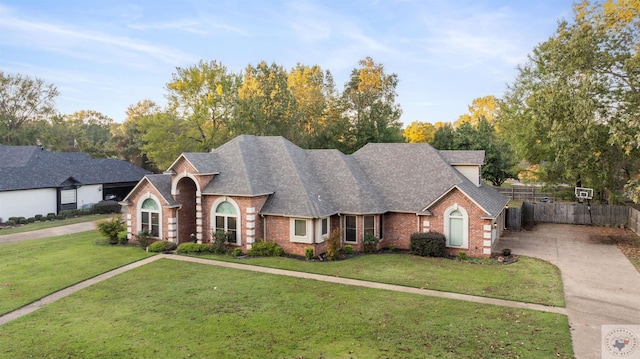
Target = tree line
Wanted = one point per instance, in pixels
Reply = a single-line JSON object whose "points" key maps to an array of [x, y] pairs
{"points": [[207, 106], [570, 116]]}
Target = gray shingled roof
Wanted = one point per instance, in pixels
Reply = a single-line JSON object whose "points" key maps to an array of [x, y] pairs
{"points": [[407, 176], [379, 178], [461, 157], [162, 182], [30, 167]]}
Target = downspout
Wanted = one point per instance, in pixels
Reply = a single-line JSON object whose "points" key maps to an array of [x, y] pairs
{"points": [[264, 227]]}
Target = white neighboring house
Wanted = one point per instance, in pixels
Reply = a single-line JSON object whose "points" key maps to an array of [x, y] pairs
{"points": [[35, 181]]}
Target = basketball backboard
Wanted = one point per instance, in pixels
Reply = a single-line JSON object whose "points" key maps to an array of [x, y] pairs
{"points": [[584, 193]]}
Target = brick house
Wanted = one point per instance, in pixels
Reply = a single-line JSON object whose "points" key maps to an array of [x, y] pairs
{"points": [[267, 187]]}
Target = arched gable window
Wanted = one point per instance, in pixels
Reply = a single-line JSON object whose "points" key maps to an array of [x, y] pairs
{"points": [[226, 219], [150, 214], [456, 227]]}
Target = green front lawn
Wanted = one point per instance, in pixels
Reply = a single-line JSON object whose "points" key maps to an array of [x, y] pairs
{"points": [[33, 269], [173, 309], [528, 280]]}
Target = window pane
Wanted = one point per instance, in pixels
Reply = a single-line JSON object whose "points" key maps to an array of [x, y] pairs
{"points": [[155, 224], [325, 226], [368, 225], [455, 232], [455, 213], [231, 223], [150, 204], [226, 208], [300, 229], [68, 196], [219, 223], [350, 228]]}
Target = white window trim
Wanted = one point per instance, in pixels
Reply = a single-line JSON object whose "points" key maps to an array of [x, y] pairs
{"points": [[212, 218], [465, 226], [308, 238], [320, 237], [139, 213], [68, 196]]}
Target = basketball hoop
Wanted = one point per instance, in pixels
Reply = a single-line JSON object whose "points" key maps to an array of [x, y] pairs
{"points": [[583, 193]]}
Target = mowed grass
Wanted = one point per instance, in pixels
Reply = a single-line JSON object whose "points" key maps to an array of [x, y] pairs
{"points": [[55, 223], [173, 309], [528, 280], [33, 269]]}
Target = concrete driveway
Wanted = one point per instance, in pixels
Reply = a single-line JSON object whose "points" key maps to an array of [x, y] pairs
{"points": [[48, 232], [600, 285]]}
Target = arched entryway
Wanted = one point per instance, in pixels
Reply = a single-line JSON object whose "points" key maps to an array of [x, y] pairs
{"points": [[186, 196]]}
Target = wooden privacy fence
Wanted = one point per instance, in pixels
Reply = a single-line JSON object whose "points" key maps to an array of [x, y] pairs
{"points": [[526, 193], [567, 213]]}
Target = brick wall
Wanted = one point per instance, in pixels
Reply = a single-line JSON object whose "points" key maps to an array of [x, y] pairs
{"points": [[477, 224]]}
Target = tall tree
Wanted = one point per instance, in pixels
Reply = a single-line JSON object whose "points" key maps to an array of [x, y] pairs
{"points": [[127, 138], [573, 108], [486, 107], [370, 95], [419, 132], [266, 106], [204, 96], [23, 101]]}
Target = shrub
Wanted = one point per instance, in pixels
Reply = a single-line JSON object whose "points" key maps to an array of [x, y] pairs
{"points": [[308, 253], [462, 255], [122, 237], [262, 248], [192, 248], [143, 238], [237, 252], [392, 248], [348, 249], [162, 246], [51, 216], [219, 241], [31, 219], [85, 211], [430, 244], [370, 243], [14, 219], [38, 217], [59, 216], [68, 213], [10, 223], [333, 244], [111, 228], [106, 207], [22, 220]]}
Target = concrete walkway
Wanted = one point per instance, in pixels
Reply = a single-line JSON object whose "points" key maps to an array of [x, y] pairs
{"points": [[600, 285], [47, 232]]}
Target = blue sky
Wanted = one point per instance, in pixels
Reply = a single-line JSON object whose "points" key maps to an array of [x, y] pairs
{"points": [[108, 55]]}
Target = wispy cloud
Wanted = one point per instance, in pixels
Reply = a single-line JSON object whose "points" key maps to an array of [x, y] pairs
{"points": [[190, 26], [81, 42]]}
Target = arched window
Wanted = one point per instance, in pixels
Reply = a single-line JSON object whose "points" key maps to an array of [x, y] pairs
{"points": [[226, 220], [150, 217], [456, 227], [456, 237]]}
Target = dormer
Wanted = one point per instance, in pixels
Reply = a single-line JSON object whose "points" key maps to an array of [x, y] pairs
{"points": [[468, 163]]}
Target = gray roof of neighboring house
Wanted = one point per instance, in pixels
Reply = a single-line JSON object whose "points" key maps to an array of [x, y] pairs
{"points": [[30, 167], [378, 178]]}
